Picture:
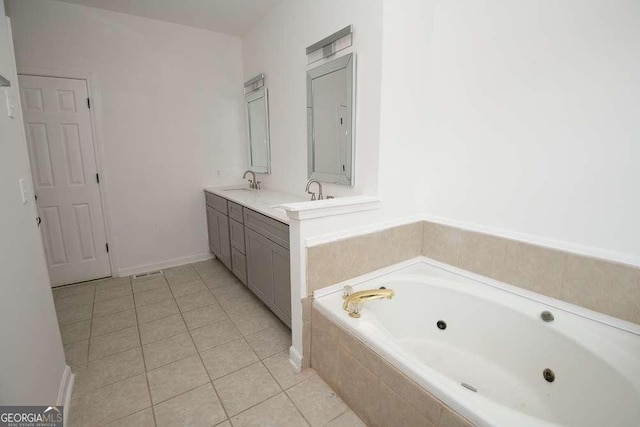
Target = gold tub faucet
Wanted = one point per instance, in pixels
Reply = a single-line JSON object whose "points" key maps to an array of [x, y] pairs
{"points": [[353, 301]]}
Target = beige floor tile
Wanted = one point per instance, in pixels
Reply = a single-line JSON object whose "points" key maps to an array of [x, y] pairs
{"points": [[113, 322], [215, 334], [234, 291], [198, 407], [283, 370], [250, 322], [146, 285], [73, 301], [144, 299], [114, 368], [182, 274], [270, 341], [110, 282], [157, 311], [317, 402], [204, 316], [193, 301], [187, 288], [168, 350], [246, 388], [162, 328], [224, 424], [111, 306], [75, 332], [214, 281], [176, 378], [76, 353], [77, 410], [210, 266], [114, 342], [348, 419], [228, 358], [67, 291], [117, 400], [114, 291], [143, 418], [277, 411], [75, 314]]}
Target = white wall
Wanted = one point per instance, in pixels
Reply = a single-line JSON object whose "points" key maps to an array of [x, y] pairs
{"points": [[32, 359], [169, 100], [525, 117], [276, 46]]}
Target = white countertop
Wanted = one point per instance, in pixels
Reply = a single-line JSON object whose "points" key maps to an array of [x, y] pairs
{"points": [[265, 201]]}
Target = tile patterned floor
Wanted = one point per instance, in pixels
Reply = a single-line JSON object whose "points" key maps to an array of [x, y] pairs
{"points": [[190, 348]]}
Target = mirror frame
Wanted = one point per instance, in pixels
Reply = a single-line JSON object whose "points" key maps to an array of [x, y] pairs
{"points": [[248, 98], [344, 62]]}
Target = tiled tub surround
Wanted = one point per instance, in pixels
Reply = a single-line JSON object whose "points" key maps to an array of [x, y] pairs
{"points": [[192, 347], [378, 392], [599, 285], [603, 286], [495, 341]]}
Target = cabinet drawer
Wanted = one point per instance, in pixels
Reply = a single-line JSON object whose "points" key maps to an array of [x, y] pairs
{"points": [[239, 265], [268, 227], [235, 212], [236, 231], [216, 202]]}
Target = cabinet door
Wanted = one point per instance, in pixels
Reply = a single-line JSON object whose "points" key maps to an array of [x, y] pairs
{"points": [[239, 263], [281, 283], [236, 231], [225, 243], [259, 266], [212, 227]]}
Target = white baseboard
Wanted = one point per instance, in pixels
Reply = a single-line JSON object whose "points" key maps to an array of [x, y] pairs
{"points": [[123, 272], [295, 358], [64, 392]]}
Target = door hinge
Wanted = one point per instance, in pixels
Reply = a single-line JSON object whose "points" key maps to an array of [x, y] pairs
{"points": [[88, 102], [107, 246], [98, 178]]}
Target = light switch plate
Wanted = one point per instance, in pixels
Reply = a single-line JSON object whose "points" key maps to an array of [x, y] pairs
{"points": [[11, 104], [24, 192]]}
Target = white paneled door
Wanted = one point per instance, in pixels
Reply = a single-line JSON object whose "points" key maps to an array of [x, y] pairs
{"points": [[65, 176]]}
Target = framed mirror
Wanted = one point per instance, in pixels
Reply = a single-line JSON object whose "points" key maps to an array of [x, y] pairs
{"points": [[257, 123], [330, 121]]}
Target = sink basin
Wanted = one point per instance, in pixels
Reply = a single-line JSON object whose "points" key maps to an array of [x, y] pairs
{"points": [[238, 189]]}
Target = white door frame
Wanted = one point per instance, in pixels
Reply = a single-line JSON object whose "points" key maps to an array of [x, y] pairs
{"points": [[93, 89]]}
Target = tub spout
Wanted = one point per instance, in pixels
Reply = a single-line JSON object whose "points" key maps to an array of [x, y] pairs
{"points": [[353, 301]]}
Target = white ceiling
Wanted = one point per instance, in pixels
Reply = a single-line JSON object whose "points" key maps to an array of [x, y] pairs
{"points": [[233, 17]]}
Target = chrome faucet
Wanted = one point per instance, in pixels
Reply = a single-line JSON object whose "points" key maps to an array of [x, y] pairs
{"points": [[313, 195], [253, 184]]}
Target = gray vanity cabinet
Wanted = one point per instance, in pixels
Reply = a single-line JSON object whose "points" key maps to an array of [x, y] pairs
{"points": [[255, 248], [238, 259], [268, 274], [218, 227]]}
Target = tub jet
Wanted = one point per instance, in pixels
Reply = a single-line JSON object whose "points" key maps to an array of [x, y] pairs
{"points": [[470, 387], [549, 375]]}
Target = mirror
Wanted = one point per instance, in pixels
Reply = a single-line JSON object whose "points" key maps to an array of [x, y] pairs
{"points": [[257, 118], [330, 142]]}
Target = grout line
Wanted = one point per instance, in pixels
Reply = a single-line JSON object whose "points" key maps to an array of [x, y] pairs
{"points": [[134, 413], [198, 351], [144, 362]]}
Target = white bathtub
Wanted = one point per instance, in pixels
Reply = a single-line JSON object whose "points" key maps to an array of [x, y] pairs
{"points": [[495, 341]]}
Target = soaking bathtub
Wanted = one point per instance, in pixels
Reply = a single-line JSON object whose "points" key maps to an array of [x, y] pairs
{"points": [[486, 352]]}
